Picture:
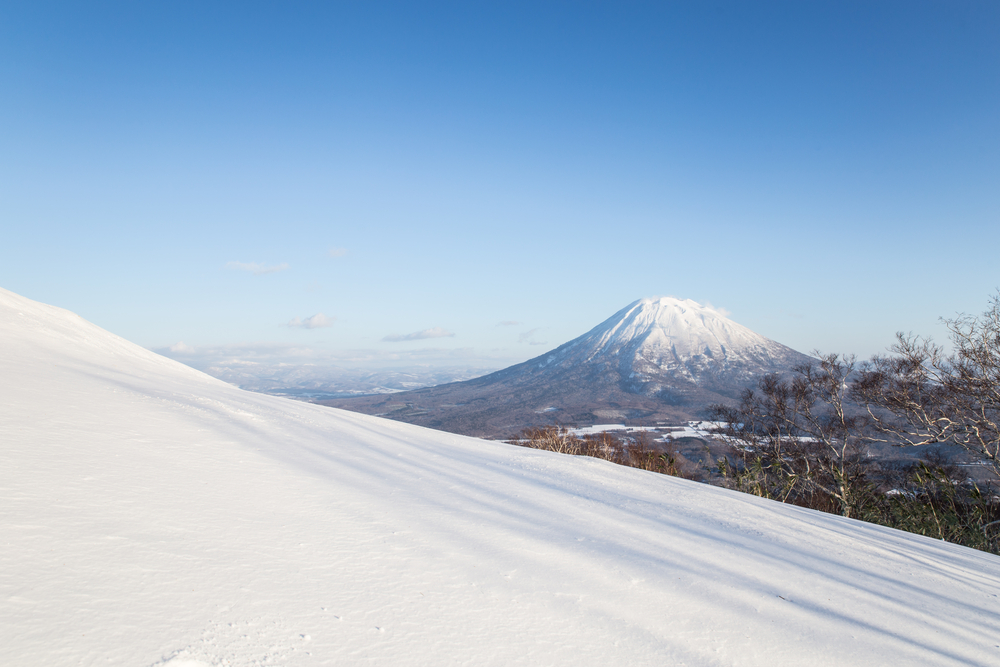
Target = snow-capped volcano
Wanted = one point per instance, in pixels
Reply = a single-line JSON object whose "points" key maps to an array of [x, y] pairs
{"points": [[681, 328], [662, 359], [654, 343]]}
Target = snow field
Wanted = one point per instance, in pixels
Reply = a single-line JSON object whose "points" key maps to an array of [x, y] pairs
{"points": [[152, 515]]}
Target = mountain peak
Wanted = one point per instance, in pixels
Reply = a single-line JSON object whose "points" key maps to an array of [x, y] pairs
{"points": [[670, 332], [659, 302], [655, 346]]}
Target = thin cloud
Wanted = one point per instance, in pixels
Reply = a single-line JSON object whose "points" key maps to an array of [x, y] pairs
{"points": [[264, 359], [255, 268], [526, 336], [337, 252], [317, 321], [508, 323], [436, 332], [720, 311], [181, 348]]}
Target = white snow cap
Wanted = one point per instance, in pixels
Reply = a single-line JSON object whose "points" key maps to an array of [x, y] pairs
{"points": [[668, 327]]}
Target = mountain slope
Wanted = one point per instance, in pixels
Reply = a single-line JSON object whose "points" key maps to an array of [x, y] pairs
{"points": [[656, 359], [154, 515]]}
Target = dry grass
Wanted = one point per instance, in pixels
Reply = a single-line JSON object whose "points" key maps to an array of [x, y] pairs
{"points": [[634, 452]]}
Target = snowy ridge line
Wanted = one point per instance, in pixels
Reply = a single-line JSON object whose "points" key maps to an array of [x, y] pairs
{"points": [[680, 337], [154, 516]]}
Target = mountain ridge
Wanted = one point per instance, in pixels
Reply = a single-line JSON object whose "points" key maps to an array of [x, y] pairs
{"points": [[658, 360]]}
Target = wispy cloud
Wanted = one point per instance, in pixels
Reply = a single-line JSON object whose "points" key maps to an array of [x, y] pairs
{"points": [[181, 348], [720, 311], [528, 337], [337, 252], [252, 355], [317, 321], [255, 268], [436, 332], [508, 323]]}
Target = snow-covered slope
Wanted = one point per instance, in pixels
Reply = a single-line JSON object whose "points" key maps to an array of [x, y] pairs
{"points": [[151, 514], [680, 328]]}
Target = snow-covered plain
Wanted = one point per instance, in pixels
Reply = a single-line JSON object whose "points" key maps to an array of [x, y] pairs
{"points": [[153, 515], [693, 429]]}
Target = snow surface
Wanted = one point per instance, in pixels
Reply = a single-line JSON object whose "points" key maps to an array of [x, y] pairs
{"points": [[653, 343], [677, 329], [604, 428], [152, 515], [693, 429]]}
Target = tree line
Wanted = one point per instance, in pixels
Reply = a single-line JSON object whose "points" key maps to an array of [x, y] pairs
{"points": [[807, 439]]}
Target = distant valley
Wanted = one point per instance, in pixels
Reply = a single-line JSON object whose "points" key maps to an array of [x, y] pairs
{"points": [[315, 382]]}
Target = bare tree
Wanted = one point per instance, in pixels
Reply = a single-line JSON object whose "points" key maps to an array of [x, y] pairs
{"points": [[920, 395], [799, 441]]}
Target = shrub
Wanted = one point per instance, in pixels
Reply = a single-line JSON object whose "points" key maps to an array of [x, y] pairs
{"points": [[635, 452]]}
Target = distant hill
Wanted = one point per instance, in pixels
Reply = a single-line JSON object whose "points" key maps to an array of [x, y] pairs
{"points": [[662, 359]]}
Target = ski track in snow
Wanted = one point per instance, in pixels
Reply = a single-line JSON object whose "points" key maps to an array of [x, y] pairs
{"points": [[152, 515]]}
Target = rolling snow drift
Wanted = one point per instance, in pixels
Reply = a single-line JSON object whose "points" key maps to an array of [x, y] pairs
{"points": [[152, 515]]}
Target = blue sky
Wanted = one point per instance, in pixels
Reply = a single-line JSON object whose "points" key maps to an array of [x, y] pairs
{"points": [[212, 173]]}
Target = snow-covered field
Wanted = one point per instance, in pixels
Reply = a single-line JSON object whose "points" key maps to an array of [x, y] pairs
{"points": [[153, 515], [695, 429]]}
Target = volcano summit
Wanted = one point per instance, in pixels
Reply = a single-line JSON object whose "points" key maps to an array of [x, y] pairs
{"points": [[663, 359]]}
